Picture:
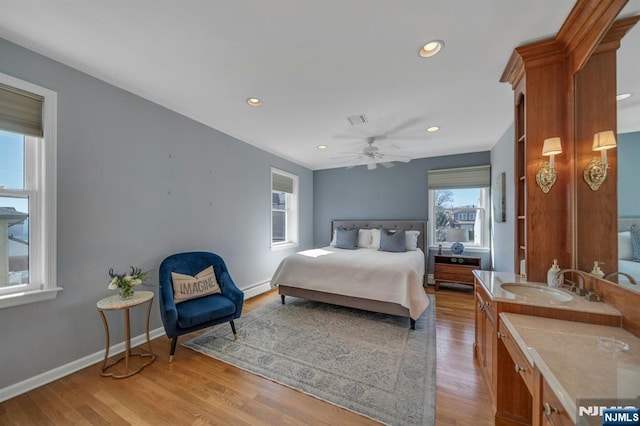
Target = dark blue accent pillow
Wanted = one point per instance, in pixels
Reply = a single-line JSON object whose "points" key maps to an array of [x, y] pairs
{"points": [[347, 238], [635, 242], [393, 241]]}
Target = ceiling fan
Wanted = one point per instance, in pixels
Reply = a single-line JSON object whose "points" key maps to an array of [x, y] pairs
{"points": [[371, 155]]}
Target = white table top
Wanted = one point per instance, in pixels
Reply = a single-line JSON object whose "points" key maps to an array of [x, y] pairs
{"points": [[115, 302]]}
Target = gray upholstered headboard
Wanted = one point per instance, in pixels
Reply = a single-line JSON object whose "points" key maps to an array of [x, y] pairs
{"points": [[420, 225], [624, 223]]}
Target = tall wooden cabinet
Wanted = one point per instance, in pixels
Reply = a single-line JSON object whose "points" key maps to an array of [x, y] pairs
{"points": [[538, 74]]}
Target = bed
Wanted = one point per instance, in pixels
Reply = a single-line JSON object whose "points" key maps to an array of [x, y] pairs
{"points": [[626, 263], [365, 278]]}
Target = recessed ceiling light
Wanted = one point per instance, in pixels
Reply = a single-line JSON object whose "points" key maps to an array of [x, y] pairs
{"points": [[322, 147], [431, 48], [254, 102], [623, 96], [433, 129]]}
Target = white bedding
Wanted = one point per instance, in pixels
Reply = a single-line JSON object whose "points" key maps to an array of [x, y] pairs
{"points": [[365, 273]]}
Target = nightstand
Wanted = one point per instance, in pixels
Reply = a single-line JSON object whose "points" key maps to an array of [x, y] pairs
{"points": [[454, 269]]}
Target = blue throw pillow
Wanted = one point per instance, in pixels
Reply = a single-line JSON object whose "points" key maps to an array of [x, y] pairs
{"points": [[393, 241], [635, 242], [347, 238]]}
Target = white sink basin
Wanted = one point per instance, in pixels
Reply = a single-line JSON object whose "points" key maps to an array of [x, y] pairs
{"points": [[536, 293]]}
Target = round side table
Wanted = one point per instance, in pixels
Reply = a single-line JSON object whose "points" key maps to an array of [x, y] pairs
{"points": [[115, 303]]}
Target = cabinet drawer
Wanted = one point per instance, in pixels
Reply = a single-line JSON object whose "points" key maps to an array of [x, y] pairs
{"points": [[553, 413], [454, 276], [522, 366]]}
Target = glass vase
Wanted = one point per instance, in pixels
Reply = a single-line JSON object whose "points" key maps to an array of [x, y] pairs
{"points": [[126, 292]]}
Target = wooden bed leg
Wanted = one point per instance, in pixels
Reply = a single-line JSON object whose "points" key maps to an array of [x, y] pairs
{"points": [[282, 298], [413, 323]]}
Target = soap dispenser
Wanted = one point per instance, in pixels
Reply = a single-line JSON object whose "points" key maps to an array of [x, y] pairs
{"points": [[553, 280], [596, 271]]}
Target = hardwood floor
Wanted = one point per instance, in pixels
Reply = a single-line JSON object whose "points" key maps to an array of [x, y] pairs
{"points": [[199, 390]]}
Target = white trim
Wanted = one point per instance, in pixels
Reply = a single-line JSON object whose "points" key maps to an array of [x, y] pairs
{"points": [[17, 299], [257, 289], [64, 370], [283, 246]]}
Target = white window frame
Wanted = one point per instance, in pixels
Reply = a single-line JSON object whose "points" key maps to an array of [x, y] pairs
{"points": [[291, 215], [40, 185], [483, 211]]}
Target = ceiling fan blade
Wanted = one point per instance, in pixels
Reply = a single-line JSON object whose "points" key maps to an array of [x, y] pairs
{"points": [[396, 157], [386, 164]]}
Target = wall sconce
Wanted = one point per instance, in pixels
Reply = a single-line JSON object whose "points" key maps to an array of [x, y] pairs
{"points": [[596, 171], [546, 175]]}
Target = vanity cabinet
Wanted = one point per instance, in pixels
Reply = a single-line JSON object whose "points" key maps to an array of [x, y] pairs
{"points": [[486, 339], [551, 411]]}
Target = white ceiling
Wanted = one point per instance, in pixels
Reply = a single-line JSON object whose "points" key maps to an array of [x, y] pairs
{"points": [[313, 63]]}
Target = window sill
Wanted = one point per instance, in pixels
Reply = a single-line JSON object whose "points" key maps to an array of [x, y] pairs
{"points": [[283, 246], [23, 298]]}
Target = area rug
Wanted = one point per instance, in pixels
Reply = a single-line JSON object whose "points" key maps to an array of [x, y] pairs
{"points": [[369, 363]]}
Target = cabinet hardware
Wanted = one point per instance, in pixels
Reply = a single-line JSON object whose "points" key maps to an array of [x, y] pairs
{"points": [[549, 409], [518, 368], [501, 335]]}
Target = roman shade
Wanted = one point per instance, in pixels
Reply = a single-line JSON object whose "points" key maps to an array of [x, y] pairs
{"points": [[466, 177], [281, 183], [20, 111]]}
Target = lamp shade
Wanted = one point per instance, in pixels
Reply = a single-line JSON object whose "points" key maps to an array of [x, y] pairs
{"points": [[552, 146], [604, 140]]}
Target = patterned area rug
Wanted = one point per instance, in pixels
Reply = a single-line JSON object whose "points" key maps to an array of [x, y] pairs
{"points": [[369, 363]]}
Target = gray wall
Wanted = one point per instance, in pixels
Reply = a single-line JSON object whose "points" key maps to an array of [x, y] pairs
{"points": [[628, 174], [399, 192], [503, 233], [136, 182]]}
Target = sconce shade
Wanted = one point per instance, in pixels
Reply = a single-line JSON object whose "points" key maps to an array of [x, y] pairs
{"points": [[604, 140], [552, 146]]}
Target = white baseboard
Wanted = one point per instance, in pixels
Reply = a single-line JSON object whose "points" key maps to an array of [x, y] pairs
{"points": [[257, 289], [64, 370]]}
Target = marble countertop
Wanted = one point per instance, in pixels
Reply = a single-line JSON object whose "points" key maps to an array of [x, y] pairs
{"points": [[572, 360], [492, 281]]}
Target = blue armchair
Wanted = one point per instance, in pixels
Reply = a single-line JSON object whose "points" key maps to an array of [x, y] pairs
{"points": [[203, 312]]}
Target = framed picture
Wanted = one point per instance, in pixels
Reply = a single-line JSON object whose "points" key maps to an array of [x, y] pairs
{"points": [[498, 196]]}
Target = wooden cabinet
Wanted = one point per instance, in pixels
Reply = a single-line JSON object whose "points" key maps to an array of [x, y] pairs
{"points": [[454, 269], [486, 339], [551, 411]]}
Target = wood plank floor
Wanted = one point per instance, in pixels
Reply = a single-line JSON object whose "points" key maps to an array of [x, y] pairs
{"points": [[198, 390]]}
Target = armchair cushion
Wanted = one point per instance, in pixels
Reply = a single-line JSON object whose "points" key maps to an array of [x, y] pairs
{"points": [[204, 309], [187, 287]]}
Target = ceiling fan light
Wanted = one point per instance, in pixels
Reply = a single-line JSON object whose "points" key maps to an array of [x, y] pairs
{"points": [[431, 48]]}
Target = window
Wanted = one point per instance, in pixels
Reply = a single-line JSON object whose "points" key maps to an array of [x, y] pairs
{"points": [[27, 192], [284, 208], [458, 206]]}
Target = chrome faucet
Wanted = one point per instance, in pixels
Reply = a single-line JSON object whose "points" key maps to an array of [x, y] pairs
{"points": [[629, 277], [580, 288]]}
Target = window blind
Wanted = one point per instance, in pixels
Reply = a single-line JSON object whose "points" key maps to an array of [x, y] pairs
{"points": [[281, 183], [20, 111], [466, 177]]}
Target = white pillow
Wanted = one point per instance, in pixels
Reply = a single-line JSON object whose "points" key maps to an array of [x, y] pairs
{"points": [[364, 238], [333, 240], [625, 251], [411, 238], [375, 239]]}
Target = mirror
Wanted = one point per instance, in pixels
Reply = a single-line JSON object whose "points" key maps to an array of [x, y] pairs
{"points": [[597, 226], [628, 111]]}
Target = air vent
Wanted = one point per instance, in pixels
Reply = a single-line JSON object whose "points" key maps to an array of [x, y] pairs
{"points": [[357, 119]]}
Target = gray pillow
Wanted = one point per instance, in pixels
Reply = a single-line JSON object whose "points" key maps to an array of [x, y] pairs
{"points": [[347, 238], [635, 242], [393, 241]]}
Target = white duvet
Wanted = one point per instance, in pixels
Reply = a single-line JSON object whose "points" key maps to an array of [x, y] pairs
{"points": [[365, 273]]}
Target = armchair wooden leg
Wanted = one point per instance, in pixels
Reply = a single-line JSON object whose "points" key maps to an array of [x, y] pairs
{"points": [[233, 328], [282, 298], [173, 348]]}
